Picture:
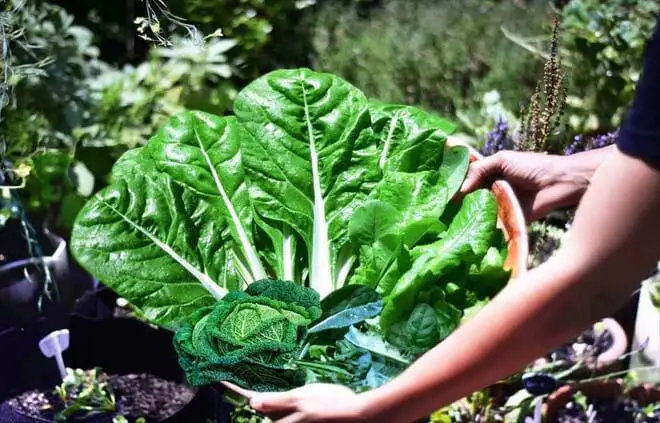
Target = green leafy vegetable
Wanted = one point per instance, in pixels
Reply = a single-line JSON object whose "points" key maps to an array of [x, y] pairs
{"points": [[307, 183], [250, 338], [467, 238], [417, 334], [308, 160], [152, 242], [201, 151]]}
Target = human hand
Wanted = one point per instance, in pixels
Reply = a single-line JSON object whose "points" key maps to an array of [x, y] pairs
{"points": [[541, 182], [314, 403]]}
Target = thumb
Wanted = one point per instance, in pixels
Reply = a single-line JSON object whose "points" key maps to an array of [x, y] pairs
{"points": [[277, 402], [480, 170]]}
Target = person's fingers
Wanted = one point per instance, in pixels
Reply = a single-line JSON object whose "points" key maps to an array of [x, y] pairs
{"points": [[241, 391], [274, 402], [481, 170], [297, 417]]}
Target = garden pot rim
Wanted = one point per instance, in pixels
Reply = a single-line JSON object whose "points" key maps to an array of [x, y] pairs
{"points": [[102, 362]]}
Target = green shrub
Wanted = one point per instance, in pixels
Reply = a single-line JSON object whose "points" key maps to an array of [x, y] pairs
{"points": [[442, 55], [605, 42]]}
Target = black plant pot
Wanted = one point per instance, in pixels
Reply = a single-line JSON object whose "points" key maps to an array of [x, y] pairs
{"points": [[118, 346], [23, 296], [22, 366]]}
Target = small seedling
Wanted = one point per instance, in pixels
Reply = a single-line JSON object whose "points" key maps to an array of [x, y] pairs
{"points": [[84, 391]]}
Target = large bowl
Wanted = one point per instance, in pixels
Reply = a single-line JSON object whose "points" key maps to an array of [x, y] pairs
{"points": [[510, 218]]}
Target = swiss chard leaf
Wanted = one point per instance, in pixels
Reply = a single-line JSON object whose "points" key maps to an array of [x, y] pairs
{"points": [[202, 151], [156, 246], [410, 139], [310, 159]]}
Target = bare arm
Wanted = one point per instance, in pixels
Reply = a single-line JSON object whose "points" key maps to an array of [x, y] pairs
{"points": [[614, 242]]}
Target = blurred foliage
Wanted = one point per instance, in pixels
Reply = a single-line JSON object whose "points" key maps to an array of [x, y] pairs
{"points": [[603, 46], [84, 87], [70, 115], [605, 40], [439, 55], [268, 33]]}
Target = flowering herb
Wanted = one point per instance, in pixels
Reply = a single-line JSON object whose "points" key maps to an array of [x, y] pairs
{"points": [[497, 139]]}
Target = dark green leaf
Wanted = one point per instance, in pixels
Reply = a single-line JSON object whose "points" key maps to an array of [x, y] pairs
{"points": [[348, 317]]}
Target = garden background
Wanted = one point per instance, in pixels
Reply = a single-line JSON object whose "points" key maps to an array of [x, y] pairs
{"points": [[82, 82]]}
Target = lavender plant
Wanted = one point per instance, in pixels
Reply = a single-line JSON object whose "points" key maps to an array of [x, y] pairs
{"points": [[497, 139], [583, 143]]}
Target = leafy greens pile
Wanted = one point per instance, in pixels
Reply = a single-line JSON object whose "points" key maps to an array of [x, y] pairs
{"points": [[311, 227]]}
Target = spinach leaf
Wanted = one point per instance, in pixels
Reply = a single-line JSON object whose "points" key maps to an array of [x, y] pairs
{"points": [[418, 333]]}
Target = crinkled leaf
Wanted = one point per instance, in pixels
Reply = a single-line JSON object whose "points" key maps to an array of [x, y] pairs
{"points": [[410, 139], [468, 236], [250, 340], [202, 151], [311, 160], [152, 242], [288, 292]]}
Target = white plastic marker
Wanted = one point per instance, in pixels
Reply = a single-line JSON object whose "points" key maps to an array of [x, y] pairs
{"points": [[538, 410], [53, 345]]}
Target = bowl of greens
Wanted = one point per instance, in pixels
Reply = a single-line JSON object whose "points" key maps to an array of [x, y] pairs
{"points": [[312, 235]]}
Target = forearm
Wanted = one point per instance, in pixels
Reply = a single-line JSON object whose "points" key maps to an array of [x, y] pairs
{"points": [[611, 247], [574, 173]]}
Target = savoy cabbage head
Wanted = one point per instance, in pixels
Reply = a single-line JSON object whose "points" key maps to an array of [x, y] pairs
{"points": [[250, 338]]}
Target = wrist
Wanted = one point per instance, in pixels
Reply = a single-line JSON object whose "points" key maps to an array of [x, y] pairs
{"points": [[581, 167], [574, 172], [390, 403]]}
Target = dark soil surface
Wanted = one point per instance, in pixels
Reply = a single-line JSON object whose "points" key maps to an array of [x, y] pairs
{"points": [[140, 395]]}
